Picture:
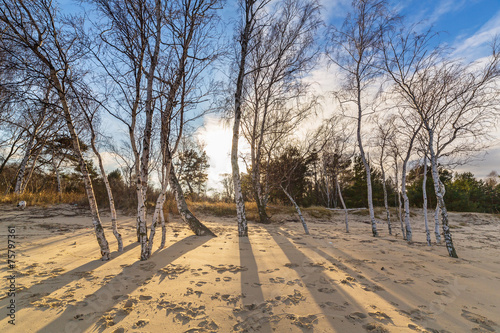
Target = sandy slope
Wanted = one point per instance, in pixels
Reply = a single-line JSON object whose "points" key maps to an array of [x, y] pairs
{"points": [[276, 280]]}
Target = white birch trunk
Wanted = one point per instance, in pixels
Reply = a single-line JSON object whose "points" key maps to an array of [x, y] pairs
{"points": [[437, 234], [424, 191], [440, 198], [194, 224], [436, 224], [158, 213], [58, 175], [297, 208], [96, 220], [56, 84], [163, 226], [365, 163], [408, 233], [25, 181], [238, 195], [370, 194], [343, 204], [399, 199], [249, 18], [114, 223], [368, 176], [386, 204], [24, 163], [146, 142]]}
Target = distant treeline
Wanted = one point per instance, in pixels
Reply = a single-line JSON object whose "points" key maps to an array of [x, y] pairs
{"points": [[309, 184]]}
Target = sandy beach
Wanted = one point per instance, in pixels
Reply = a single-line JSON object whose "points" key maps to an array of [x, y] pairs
{"points": [[276, 280]]}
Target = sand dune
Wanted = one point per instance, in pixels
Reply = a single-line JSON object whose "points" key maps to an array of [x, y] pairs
{"points": [[276, 280]]}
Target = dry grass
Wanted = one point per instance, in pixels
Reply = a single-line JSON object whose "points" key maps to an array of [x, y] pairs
{"points": [[224, 209], [318, 212], [43, 198]]}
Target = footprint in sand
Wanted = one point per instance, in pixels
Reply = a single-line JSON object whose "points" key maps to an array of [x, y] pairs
{"points": [[227, 278], [141, 323], [326, 290], [291, 265], [405, 281], [277, 280], [334, 306], [228, 268], [415, 314], [183, 312], [372, 288], [374, 327], [356, 317], [147, 266], [303, 321], [440, 281], [229, 299], [172, 271], [295, 299], [483, 322], [295, 282], [190, 291], [380, 316]]}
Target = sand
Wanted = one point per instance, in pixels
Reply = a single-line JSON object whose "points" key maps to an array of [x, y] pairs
{"points": [[276, 280]]}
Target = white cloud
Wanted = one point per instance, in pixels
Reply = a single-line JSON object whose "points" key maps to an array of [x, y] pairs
{"points": [[485, 165], [217, 139], [477, 45]]}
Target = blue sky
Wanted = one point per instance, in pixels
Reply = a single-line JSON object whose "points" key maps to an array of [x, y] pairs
{"points": [[466, 25]]}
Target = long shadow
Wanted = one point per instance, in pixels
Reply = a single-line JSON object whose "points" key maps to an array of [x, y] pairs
{"points": [[80, 231], [64, 238], [56, 282], [125, 283], [294, 255], [250, 283], [390, 297]]}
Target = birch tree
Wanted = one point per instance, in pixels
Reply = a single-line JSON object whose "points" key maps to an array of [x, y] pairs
{"points": [[191, 29], [385, 132], [424, 193], [395, 154], [50, 49], [355, 47], [129, 50], [456, 101], [251, 10], [90, 110], [289, 167], [407, 132], [281, 53]]}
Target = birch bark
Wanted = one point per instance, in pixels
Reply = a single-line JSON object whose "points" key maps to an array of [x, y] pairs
{"points": [[424, 191], [158, 214], [343, 204], [24, 182], [194, 224], [440, 198], [36, 43], [114, 223], [384, 187], [58, 175], [399, 196], [24, 162], [365, 163], [243, 40], [297, 208]]}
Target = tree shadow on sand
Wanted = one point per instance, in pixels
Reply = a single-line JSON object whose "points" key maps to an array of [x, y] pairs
{"points": [[76, 318]]}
